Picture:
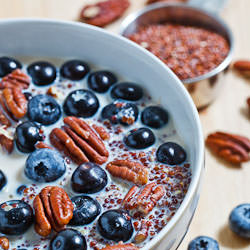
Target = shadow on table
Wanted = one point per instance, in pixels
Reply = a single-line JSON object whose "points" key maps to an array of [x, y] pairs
{"points": [[230, 240]]}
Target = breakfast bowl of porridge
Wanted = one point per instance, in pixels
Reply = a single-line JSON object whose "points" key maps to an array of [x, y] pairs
{"points": [[102, 146]]}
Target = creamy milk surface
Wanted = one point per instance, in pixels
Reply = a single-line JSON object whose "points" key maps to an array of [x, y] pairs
{"points": [[178, 178]]}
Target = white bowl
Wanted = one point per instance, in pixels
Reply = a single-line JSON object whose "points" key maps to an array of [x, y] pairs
{"points": [[33, 37]]}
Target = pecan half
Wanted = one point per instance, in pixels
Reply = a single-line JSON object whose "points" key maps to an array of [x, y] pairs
{"points": [[16, 79], [243, 67], [248, 105], [42, 144], [7, 118], [6, 143], [232, 148], [101, 132], [142, 234], [104, 12], [128, 170], [15, 102], [53, 210], [142, 200], [4, 243], [121, 246], [79, 141]]}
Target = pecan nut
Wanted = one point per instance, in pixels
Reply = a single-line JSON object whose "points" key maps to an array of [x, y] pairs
{"points": [[15, 101], [142, 234], [53, 210], [141, 201], [79, 141], [16, 79], [42, 144], [243, 67], [7, 119], [128, 170], [6, 143], [104, 12], [101, 132], [232, 148], [4, 243], [248, 105], [121, 246]]}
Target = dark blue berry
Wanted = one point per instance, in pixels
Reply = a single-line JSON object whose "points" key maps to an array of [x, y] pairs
{"points": [[3, 180], [8, 64], [127, 91], [74, 70], [89, 178], [44, 165], [44, 109], [239, 220], [27, 135], [86, 209], [203, 243], [81, 103], [20, 189], [140, 138], [101, 81], [28, 95], [120, 112], [42, 73], [115, 225], [171, 153], [15, 218], [68, 239], [154, 117]]}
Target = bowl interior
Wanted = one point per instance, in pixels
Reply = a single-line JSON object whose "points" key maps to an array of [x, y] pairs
{"points": [[72, 40]]}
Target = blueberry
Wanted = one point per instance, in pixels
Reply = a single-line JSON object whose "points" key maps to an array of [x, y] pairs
{"points": [[27, 135], [86, 209], [16, 217], [28, 95], [127, 91], [44, 165], [115, 225], [154, 117], [171, 153], [203, 243], [74, 70], [120, 112], [101, 81], [140, 138], [42, 73], [81, 103], [89, 178], [8, 64], [44, 109], [3, 180], [239, 220], [68, 239]]}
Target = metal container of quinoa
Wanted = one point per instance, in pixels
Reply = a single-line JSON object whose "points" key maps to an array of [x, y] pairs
{"points": [[206, 85]]}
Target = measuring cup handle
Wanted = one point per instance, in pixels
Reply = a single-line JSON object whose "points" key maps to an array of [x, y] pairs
{"points": [[212, 6]]}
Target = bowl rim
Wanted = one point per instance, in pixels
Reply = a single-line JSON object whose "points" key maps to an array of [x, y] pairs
{"points": [[223, 65], [196, 176]]}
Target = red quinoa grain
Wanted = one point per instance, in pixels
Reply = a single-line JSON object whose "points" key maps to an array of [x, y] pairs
{"points": [[188, 51]]}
